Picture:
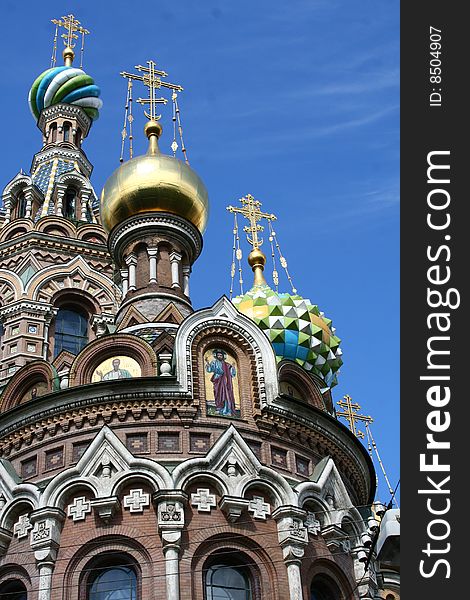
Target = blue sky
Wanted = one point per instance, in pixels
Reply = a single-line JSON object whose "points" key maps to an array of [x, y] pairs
{"points": [[294, 102]]}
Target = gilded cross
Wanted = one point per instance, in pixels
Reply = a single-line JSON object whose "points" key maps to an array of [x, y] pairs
{"points": [[251, 211], [351, 415], [151, 77], [71, 25]]}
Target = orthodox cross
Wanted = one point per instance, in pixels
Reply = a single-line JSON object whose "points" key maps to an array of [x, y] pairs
{"points": [[350, 414], [151, 77], [71, 25], [251, 211]]}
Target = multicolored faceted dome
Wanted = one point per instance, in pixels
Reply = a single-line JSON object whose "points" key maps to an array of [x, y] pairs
{"points": [[296, 328], [65, 85]]}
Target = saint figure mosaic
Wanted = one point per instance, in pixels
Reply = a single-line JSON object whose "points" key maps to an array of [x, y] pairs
{"points": [[117, 367], [222, 390]]}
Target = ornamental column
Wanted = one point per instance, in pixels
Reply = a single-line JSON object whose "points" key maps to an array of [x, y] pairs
{"points": [[7, 205], [170, 509], [131, 262], [152, 254], [47, 323], [175, 260], [45, 536], [60, 200], [85, 197], [293, 537], [125, 281], [186, 274], [28, 192]]}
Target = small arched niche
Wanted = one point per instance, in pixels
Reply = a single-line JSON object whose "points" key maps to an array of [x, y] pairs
{"points": [[143, 265], [113, 358], [67, 131], [29, 383], [299, 385], [70, 203], [225, 373]]}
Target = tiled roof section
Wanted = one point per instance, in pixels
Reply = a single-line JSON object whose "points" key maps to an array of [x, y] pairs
{"points": [[42, 179], [149, 334], [42, 175]]}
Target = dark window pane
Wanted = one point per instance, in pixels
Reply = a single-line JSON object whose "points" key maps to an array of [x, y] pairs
{"points": [[69, 204], [224, 582], [322, 591], [13, 590], [114, 583], [21, 205], [70, 331]]}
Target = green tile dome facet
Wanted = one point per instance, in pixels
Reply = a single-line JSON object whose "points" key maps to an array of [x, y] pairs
{"points": [[298, 331]]}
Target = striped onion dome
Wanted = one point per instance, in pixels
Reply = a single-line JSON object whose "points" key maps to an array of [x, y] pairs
{"points": [[298, 331], [65, 85]]}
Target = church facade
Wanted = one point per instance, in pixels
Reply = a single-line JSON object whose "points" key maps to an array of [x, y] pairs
{"points": [[149, 449]]}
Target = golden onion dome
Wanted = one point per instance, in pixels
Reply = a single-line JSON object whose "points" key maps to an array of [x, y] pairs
{"points": [[154, 182]]}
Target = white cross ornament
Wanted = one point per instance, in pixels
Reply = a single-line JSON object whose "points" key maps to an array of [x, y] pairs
{"points": [[259, 508], [79, 509], [312, 524], [203, 500], [136, 501], [22, 526]]}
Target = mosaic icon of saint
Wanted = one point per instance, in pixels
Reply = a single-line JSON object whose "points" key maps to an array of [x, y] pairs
{"points": [[222, 374], [115, 373]]}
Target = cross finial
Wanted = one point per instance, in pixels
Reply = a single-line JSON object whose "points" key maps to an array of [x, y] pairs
{"points": [[251, 211], [72, 26], [351, 415], [151, 77]]}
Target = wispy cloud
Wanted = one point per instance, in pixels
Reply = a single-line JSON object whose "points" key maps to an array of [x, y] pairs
{"points": [[364, 206], [277, 139], [373, 82]]}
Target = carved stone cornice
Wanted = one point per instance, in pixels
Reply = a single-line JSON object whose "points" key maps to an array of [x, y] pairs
{"points": [[30, 307], [66, 111], [334, 438], [47, 241], [134, 228], [72, 408]]}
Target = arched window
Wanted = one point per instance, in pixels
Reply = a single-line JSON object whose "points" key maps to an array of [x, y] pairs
{"points": [[21, 204], [78, 137], [71, 331], [53, 133], [13, 589], [66, 128], [113, 583], [111, 578], [227, 582], [69, 203], [324, 588]]}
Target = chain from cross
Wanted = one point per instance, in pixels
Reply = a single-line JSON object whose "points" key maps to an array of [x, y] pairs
{"points": [[71, 25], [251, 211], [351, 415], [151, 77]]}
